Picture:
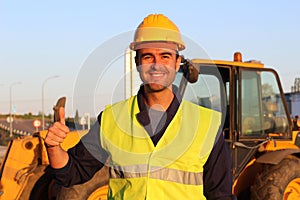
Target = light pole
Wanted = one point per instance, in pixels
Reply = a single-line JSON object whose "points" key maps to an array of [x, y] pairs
{"points": [[43, 118], [88, 120], [10, 106]]}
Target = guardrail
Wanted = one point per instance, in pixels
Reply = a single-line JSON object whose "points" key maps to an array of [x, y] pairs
{"points": [[14, 131]]}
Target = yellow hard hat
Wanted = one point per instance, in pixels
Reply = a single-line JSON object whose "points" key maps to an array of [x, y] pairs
{"points": [[156, 30]]}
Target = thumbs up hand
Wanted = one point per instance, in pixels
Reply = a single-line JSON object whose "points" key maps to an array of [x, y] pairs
{"points": [[61, 113], [58, 132]]}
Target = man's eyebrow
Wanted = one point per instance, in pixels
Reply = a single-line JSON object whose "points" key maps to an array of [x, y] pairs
{"points": [[162, 53], [146, 54], [166, 53]]}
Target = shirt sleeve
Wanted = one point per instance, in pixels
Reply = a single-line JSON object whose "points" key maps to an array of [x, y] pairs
{"points": [[217, 173], [85, 159]]}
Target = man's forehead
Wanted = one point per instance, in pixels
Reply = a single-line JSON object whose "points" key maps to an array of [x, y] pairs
{"points": [[157, 50]]}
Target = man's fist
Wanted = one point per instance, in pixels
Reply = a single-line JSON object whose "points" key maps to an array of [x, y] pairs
{"points": [[58, 132]]}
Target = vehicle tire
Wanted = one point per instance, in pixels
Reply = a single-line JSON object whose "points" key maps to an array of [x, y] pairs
{"points": [[278, 182], [44, 188]]}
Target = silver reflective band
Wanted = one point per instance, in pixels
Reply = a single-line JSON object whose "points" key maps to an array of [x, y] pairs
{"points": [[167, 174], [134, 171], [178, 176]]}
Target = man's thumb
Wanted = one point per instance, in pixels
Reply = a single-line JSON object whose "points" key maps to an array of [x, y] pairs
{"points": [[61, 113]]}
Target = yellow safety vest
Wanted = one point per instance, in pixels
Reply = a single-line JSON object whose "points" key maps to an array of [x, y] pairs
{"points": [[173, 169]]}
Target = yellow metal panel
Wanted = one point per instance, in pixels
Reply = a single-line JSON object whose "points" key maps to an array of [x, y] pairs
{"points": [[230, 63]]}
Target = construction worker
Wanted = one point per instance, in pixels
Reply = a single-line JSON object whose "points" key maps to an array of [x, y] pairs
{"points": [[157, 146]]}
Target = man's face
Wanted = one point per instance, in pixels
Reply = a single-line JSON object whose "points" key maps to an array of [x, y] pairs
{"points": [[157, 68]]}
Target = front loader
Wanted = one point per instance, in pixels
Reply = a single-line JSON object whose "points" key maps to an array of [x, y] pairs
{"points": [[263, 144]]}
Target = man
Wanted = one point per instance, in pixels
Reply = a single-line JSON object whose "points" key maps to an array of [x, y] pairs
{"points": [[154, 143]]}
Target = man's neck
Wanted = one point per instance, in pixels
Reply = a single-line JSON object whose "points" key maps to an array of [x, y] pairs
{"points": [[159, 100]]}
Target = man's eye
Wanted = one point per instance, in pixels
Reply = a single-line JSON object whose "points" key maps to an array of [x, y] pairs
{"points": [[147, 58], [166, 57]]}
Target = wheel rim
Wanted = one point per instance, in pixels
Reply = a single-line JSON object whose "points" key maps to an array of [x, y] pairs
{"points": [[292, 191], [99, 194]]}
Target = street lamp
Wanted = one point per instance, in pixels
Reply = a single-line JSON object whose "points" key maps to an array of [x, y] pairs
{"points": [[43, 118], [10, 107]]}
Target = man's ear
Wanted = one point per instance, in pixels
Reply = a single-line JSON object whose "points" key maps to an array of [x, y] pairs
{"points": [[177, 64]]}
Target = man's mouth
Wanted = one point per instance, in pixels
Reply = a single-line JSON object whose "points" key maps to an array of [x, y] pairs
{"points": [[157, 74]]}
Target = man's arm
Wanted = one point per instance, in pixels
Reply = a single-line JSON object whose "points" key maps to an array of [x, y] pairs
{"points": [[84, 159], [217, 173], [80, 168]]}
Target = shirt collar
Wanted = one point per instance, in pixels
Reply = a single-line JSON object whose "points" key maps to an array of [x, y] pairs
{"points": [[143, 116]]}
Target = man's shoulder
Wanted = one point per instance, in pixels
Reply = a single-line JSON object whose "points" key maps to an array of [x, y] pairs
{"points": [[123, 102], [120, 105]]}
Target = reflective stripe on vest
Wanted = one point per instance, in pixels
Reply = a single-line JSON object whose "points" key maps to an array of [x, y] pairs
{"points": [[167, 174]]}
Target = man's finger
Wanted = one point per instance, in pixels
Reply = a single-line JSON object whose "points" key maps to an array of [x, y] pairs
{"points": [[61, 113]]}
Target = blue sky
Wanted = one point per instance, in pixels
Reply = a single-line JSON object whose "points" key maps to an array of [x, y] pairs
{"points": [[40, 39]]}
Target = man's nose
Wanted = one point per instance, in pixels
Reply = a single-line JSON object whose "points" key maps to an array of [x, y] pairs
{"points": [[156, 63], [157, 60]]}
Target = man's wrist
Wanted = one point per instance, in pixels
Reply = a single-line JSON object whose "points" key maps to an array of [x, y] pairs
{"points": [[48, 146]]}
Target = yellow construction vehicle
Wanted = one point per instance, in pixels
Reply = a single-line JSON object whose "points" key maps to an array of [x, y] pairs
{"points": [[256, 125], [25, 170]]}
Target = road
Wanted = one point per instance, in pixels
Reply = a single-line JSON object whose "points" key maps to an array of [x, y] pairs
{"points": [[20, 126]]}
